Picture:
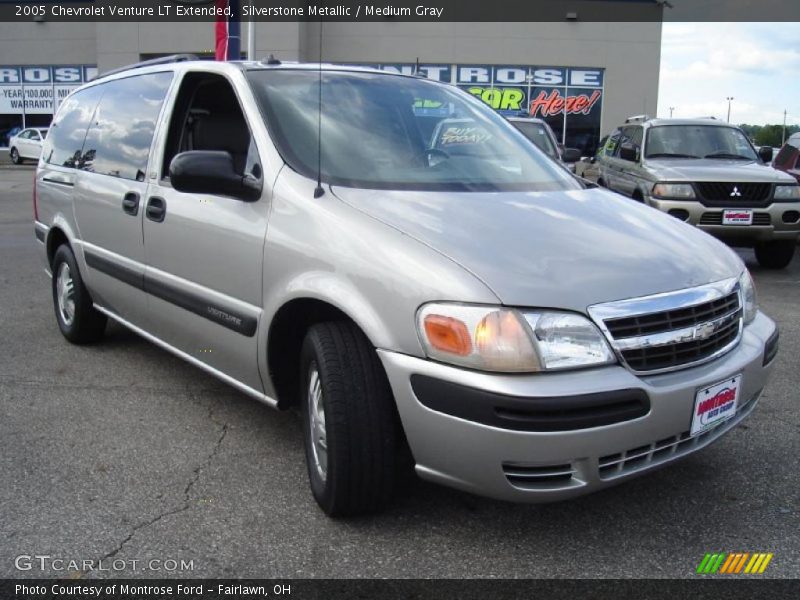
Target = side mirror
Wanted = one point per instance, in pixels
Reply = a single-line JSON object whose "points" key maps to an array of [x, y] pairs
{"points": [[592, 160], [629, 152], [570, 155], [765, 153], [212, 172]]}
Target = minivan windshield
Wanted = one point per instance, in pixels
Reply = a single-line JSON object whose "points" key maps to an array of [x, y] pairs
{"points": [[384, 131], [698, 141], [538, 134]]}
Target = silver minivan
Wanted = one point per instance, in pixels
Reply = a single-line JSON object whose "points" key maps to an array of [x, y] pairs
{"points": [[472, 307]]}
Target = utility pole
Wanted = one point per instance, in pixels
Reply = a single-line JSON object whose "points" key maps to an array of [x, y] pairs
{"points": [[671, 108], [729, 99], [783, 139]]}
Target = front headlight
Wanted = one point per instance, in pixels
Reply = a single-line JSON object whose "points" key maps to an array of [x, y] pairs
{"points": [[787, 191], [675, 191], [749, 302], [507, 340]]}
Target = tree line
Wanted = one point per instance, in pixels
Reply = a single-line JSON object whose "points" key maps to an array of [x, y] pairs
{"points": [[768, 135]]}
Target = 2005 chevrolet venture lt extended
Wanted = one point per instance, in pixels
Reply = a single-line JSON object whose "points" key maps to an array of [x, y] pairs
{"points": [[427, 281]]}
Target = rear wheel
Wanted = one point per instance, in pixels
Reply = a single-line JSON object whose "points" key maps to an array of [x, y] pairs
{"points": [[15, 157], [775, 254], [348, 421], [77, 318]]}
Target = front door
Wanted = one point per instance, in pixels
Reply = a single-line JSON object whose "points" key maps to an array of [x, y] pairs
{"points": [[204, 252]]}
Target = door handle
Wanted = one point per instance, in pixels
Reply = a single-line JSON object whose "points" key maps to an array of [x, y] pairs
{"points": [[156, 209], [130, 203]]}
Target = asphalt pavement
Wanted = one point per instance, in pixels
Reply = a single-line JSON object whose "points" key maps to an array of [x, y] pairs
{"points": [[121, 452]]}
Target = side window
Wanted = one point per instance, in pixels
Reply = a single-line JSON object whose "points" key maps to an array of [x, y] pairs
{"points": [[207, 116], [119, 138], [624, 138], [34, 135], [613, 143], [65, 139], [25, 135]]}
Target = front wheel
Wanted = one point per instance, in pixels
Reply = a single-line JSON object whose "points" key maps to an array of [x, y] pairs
{"points": [[349, 425], [776, 254], [15, 157], [77, 318]]}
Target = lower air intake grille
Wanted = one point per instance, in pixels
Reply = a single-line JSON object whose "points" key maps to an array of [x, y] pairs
{"points": [[715, 218], [540, 477]]}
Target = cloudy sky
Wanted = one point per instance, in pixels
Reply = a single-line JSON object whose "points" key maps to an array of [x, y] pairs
{"points": [[756, 63]]}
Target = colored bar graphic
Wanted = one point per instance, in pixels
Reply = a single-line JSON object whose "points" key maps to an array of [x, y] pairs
{"points": [[734, 562]]}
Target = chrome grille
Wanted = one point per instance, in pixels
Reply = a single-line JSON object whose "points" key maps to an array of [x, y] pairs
{"points": [[673, 330]]}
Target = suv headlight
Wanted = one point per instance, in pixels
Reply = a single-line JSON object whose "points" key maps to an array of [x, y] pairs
{"points": [[492, 338], [749, 302], [675, 191], [787, 191]]}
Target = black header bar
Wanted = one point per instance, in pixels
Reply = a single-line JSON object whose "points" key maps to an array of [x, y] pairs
{"points": [[406, 11]]}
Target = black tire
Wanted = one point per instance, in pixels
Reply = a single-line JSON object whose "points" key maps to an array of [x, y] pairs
{"points": [[15, 157], [776, 254], [359, 421], [87, 325]]}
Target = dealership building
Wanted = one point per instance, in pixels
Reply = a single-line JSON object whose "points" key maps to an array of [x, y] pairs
{"points": [[584, 78]]}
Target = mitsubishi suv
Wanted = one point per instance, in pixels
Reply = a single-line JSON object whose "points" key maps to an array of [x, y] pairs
{"points": [[476, 311], [706, 173]]}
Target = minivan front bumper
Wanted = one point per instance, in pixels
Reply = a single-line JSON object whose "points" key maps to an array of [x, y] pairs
{"points": [[472, 450]]}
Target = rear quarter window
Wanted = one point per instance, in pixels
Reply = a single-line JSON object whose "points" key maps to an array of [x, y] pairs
{"points": [[122, 129], [64, 141]]}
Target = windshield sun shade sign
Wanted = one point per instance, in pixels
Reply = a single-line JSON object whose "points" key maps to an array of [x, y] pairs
{"points": [[570, 99]]}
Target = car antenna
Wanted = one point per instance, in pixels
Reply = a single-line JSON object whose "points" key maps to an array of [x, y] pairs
{"points": [[319, 191]]}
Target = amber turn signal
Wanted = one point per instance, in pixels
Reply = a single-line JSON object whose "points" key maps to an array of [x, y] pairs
{"points": [[448, 335]]}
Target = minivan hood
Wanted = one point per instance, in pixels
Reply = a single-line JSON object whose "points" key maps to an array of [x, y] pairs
{"points": [[706, 169], [567, 249]]}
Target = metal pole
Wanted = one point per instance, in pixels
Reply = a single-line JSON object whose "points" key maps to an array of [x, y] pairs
{"points": [[251, 37], [671, 108], [729, 98], [783, 138]]}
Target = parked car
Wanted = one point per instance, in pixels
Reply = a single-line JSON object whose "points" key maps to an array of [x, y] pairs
{"points": [[528, 337], [788, 158], [541, 134], [6, 135], [27, 144], [707, 173]]}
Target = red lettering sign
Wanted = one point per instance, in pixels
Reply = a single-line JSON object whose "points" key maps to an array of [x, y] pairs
{"points": [[548, 105]]}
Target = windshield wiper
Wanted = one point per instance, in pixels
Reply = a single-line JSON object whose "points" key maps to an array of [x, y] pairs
{"points": [[728, 155], [671, 155]]}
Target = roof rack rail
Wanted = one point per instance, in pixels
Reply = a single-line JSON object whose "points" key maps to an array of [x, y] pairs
{"points": [[638, 119], [162, 60]]}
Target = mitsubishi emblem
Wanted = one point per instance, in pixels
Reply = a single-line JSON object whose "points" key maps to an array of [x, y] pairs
{"points": [[736, 192]]}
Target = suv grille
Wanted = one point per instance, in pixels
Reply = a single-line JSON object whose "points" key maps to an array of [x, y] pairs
{"points": [[718, 193], [675, 330]]}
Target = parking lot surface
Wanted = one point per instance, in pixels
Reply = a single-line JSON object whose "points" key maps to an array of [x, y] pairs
{"points": [[121, 452]]}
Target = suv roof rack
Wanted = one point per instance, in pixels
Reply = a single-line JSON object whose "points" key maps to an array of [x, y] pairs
{"points": [[162, 60], [638, 119]]}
